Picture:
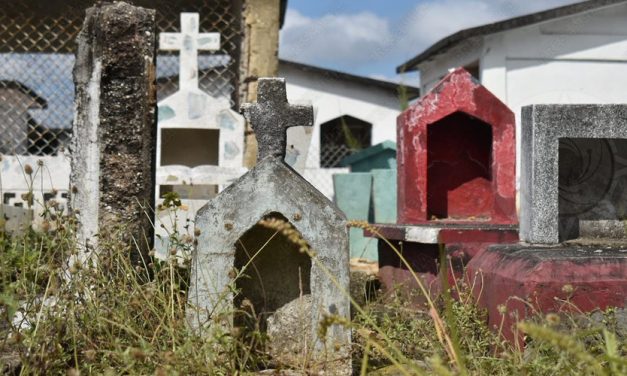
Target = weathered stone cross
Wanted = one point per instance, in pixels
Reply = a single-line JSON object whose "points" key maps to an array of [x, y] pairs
{"points": [[272, 115], [189, 41]]}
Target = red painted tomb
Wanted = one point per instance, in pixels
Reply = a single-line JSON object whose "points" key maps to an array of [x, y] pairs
{"points": [[456, 180], [456, 189], [457, 156], [515, 281]]}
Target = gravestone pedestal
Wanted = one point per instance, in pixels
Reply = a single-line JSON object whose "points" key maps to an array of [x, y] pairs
{"points": [[420, 246], [526, 279], [573, 202], [456, 180], [112, 149]]}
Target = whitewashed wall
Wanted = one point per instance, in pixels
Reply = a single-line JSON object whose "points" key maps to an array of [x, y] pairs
{"points": [[576, 59], [332, 98], [50, 180]]}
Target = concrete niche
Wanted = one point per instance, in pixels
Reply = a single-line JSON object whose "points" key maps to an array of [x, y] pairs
{"points": [[273, 271], [240, 263], [463, 144], [573, 172], [592, 188]]}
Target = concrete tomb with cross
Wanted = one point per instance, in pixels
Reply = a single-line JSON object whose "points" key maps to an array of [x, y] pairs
{"points": [[239, 261], [200, 139]]}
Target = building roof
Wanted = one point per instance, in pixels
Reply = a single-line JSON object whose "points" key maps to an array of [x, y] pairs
{"points": [[412, 91], [37, 100], [282, 10], [512, 23]]}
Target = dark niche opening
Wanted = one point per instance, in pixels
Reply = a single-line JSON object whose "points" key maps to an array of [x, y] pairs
{"points": [[190, 147], [341, 137], [459, 168], [190, 192], [275, 273], [592, 188]]}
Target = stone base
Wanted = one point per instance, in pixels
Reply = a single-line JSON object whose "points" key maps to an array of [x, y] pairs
{"points": [[395, 276], [521, 280], [420, 244]]}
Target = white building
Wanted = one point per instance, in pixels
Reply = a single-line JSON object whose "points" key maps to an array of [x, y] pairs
{"points": [[571, 54], [350, 112]]}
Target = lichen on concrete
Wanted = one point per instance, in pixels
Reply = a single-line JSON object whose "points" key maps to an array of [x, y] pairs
{"points": [[229, 230], [552, 207], [112, 178], [272, 115]]}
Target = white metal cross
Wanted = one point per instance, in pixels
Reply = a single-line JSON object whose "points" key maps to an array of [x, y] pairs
{"points": [[189, 41]]}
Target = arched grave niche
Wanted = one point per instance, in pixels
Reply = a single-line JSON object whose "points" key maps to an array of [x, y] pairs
{"points": [[273, 273], [592, 188], [459, 168], [341, 137]]}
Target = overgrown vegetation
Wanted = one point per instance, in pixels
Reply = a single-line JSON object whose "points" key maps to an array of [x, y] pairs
{"points": [[583, 347], [114, 317]]}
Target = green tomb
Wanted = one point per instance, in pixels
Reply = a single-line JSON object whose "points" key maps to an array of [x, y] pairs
{"points": [[368, 193]]}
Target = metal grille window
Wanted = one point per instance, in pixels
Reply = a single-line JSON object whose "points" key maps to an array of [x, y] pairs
{"points": [[341, 137], [37, 57]]}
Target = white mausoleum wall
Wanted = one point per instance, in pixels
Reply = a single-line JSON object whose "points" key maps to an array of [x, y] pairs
{"points": [[576, 59], [333, 98]]}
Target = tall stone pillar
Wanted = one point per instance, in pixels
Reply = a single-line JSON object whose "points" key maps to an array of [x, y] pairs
{"points": [[114, 129]]}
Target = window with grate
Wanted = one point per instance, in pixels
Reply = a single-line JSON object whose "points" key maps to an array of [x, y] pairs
{"points": [[37, 43], [342, 137]]}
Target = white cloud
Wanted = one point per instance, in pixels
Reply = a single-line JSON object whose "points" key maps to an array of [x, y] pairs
{"points": [[345, 41], [433, 20], [334, 38]]}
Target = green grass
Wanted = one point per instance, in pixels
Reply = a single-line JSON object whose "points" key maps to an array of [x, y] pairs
{"points": [[117, 318]]}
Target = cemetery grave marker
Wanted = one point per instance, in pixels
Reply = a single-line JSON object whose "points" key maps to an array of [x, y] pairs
{"points": [[572, 191], [456, 179], [200, 139], [368, 193], [573, 177], [459, 127], [112, 177], [230, 234], [189, 41]]}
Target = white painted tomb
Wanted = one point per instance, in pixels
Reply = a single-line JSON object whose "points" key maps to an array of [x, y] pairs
{"points": [[200, 139]]}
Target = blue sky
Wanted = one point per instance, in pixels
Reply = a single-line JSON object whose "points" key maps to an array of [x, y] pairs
{"points": [[372, 37], [50, 76]]}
